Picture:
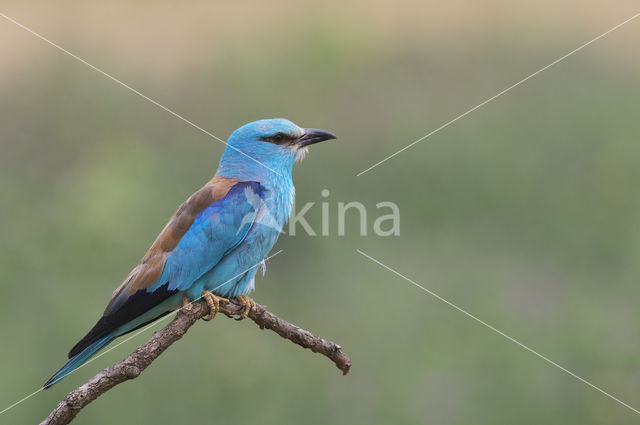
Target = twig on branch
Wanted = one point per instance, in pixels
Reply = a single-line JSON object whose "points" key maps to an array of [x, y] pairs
{"points": [[143, 356]]}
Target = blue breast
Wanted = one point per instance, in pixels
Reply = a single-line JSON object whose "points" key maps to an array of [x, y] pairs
{"points": [[234, 274]]}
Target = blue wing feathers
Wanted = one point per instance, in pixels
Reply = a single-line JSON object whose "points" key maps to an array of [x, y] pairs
{"points": [[214, 233]]}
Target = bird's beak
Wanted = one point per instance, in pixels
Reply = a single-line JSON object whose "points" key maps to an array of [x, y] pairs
{"points": [[313, 135]]}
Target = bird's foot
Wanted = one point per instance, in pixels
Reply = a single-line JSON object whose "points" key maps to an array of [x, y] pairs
{"points": [[214, 304], [247, 304], [185, 302]]}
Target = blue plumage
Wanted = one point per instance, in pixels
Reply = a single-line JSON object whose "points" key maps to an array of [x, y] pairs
{"points": [[215, 232], [215, 239], [75, 361]]}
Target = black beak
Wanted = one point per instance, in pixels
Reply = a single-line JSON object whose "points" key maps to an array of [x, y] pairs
{"points": [[313, 135]]}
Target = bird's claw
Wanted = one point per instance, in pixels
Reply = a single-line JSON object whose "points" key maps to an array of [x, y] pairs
{"points": [[247, 303], [186, 303], [214, 304]]}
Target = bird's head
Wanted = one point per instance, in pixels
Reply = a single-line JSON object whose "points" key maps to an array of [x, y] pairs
{"points": [[267, 146]]}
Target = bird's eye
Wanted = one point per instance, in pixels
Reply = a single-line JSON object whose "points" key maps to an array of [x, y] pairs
{"points": [[276, 139]]}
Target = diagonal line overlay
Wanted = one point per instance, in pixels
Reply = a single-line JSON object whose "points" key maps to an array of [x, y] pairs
{"points": [[109, 76], [499, 332], [162, 319], [498, 95]]}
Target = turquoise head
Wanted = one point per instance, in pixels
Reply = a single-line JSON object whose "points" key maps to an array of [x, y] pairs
{"points": [[267, 149]]}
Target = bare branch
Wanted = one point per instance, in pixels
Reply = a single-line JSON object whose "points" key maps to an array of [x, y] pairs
{"points": [[143, 356]]}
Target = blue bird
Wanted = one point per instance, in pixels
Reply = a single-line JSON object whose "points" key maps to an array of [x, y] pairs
{"points": [[213, 242]]}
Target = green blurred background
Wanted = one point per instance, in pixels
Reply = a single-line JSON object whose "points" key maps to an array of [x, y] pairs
{"points": [[525, 213]]}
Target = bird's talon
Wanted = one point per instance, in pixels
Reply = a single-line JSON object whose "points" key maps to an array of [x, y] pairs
{"points": [[186, 302], [247, 304], [213, 301]]}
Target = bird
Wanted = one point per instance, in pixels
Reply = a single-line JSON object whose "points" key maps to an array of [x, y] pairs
{"points": [[211, 245]]}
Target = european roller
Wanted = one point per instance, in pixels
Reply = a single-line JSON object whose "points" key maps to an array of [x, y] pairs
{"points": [[213, 242]]}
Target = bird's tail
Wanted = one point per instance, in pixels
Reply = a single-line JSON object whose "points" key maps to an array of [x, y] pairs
{"points": [[77, 360]]}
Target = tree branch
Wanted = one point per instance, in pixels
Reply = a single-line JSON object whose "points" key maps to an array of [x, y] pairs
{"points": [[143, 356]]}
